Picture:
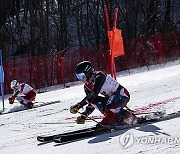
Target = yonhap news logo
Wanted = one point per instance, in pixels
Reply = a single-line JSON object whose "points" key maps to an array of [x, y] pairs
{"points": [[127, 140]]}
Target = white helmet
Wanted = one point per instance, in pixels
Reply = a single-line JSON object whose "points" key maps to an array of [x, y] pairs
{"points": [[14, 84]]}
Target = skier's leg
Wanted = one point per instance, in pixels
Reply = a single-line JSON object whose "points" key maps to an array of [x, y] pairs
{"points": [[21, 99], [117, 102], [31, 95], [109, 116], [28, 104]]}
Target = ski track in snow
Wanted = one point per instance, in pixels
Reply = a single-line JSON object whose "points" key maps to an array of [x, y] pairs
{"points": [[160, 86]]}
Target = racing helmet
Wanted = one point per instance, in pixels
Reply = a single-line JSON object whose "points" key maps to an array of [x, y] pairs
{"points": [[14, 84], [84, 68]]}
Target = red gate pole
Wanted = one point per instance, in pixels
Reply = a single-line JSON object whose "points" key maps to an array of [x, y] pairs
{"points": [[107, 17], [108, 29], [113, 39]]}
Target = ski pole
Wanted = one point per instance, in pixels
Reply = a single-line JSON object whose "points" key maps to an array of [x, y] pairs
{"points": [[128, 109], [110, 129]]}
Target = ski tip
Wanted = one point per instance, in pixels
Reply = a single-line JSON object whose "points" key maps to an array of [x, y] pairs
{"points": [[40, 139]]}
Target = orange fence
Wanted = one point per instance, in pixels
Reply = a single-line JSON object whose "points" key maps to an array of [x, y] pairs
{"points": [[57, 68]]}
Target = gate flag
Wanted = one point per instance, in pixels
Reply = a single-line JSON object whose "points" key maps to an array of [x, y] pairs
{"points": [[116, 43]]}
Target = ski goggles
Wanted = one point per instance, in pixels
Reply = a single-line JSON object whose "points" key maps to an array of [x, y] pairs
{"points": [[80, 76]]}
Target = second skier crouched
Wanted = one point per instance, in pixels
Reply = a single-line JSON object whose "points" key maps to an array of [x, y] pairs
{"points": [[23, 93]]}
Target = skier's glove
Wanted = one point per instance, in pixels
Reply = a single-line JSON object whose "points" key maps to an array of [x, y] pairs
{"points": [[81, 119], [74, 109], [11, 99]]}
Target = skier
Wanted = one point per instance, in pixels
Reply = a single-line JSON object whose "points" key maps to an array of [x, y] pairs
{"points": [[111, 104], [23, 93]]}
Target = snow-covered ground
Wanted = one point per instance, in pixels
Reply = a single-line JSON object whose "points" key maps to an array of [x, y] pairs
{"points": [[160, 85]]}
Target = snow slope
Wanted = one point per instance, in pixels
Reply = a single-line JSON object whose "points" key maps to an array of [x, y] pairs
{"points": [[160, 85]]}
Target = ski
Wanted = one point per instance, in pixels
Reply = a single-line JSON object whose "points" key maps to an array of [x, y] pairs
{"points": [[36, 105], [51, 137], [74, 136], [84, 133], [40, 104]]}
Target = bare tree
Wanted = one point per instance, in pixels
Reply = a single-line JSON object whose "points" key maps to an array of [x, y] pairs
{"points": [[39, 27]]}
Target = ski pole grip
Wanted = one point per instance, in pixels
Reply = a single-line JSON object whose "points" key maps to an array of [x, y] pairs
{"points": [[110, 129]]}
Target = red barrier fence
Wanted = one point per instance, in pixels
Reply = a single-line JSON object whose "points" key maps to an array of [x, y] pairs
{"points": [[55, 68]]}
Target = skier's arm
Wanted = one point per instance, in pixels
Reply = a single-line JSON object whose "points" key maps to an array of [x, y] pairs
{"points": [[89, 110], [99, 81], [74, 109], [81, 119], [18, 90], [12, 98], [91, 95], [15, 93]]}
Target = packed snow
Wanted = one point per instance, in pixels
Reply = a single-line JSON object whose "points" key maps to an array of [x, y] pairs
{"points": [[160, 85]]}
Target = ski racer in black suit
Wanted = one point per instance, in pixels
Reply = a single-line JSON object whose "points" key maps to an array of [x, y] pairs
{"points": [[114, 97]]}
